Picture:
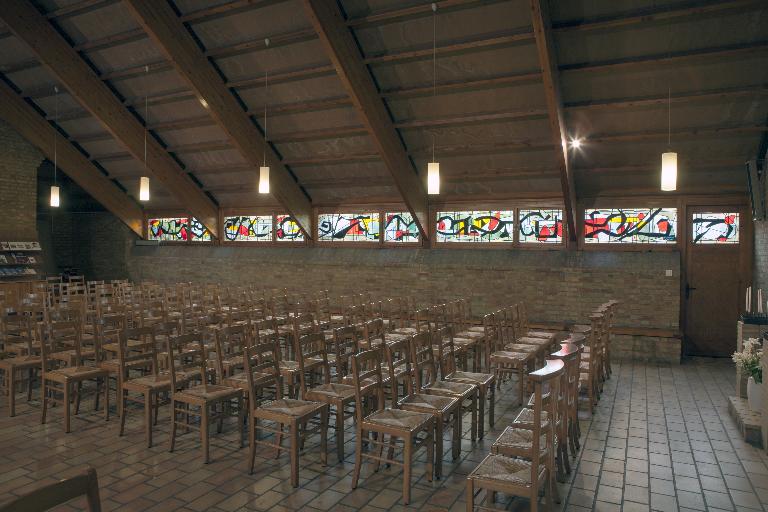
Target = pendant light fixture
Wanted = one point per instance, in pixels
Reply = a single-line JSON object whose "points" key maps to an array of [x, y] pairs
{"points": [[144, 181], [264, 169], [669, 159], [433, 167], [55, 199]]}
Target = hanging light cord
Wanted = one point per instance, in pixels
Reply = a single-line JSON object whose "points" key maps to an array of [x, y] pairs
{"points": [[434, 68], [669, 117], [55, 134], [266, 102], [146, 119]]}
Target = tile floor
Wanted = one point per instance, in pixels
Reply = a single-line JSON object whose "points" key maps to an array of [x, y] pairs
{"points": [[661, 439]]}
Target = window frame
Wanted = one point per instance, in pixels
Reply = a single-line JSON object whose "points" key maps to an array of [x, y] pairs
{"points": [[352, 209], [617, 203]]}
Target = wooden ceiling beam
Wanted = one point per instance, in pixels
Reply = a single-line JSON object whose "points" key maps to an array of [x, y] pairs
{"points": [[691, 165], [709, 54], [655, 14], [398, 15], [78, 77], [711, 95], [32, 126], [165, 28], [344, 52], [549, 72]]}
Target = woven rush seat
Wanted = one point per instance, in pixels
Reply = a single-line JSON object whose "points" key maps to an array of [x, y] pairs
{"points": [[470, 334], [424, 401], [451, 387], [521, 347], [525, 417], [71, 372], [520, 438], [152, 382], [505, 355], [332, 390], [399, 419], [21, 362], [506, 469], [209, 392], [291, 407], [471, 377]]}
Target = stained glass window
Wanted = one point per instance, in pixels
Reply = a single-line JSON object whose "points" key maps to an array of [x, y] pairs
{"points": [[348, 227], [198, 232], [476, 226], [541, 226], [248, 229], [715, 228], [401, 227], [287, 230], [168, 229], [631, 226]]}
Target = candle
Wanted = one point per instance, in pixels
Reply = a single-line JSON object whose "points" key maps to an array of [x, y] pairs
{"points": [[760, 300], [749, 296]]}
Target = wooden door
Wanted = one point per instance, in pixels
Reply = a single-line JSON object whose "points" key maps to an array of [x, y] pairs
{"points": [[715, 279]]}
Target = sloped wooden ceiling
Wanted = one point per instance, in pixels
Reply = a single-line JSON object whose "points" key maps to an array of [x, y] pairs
{"points": [[619, 61]]}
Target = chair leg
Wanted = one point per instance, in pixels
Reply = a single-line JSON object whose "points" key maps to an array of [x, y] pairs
{"points": [[278, 440], [324, 435], [407, 456], [30, 380], [253, 434], [204, 424], [470, 495], [147, 417], [66, 406], [456, 443], [473, 433], [340, 432], [294, 454], [106, 398], [358, 457], [481, 413], [11, 387], [44, 392], [438, 448], [121, 407], [492, 406], [172, 443]]}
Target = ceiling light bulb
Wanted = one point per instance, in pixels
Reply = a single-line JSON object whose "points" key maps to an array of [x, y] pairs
{"points": [[576, 143], [264, 180], [144, 189], [203, 103], [433, 178]]}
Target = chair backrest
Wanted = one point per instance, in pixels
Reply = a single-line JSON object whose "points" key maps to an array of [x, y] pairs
{"points": [[547, 377], [437, 315], [16, 327], [345, 344], [136, 349], [303, 323], [442, 341], [491, 336], [265, 331], [186, 355], [261, 369], [367, 380], [312, 347], [397, 354], [57, 337], [423, 360], [230, 342], [49, 496]]}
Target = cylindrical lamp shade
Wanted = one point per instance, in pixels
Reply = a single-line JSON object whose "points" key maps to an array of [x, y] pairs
{"points": [[144, 189], [55, 196], [668, 172], [264, 180], [433, 178]]}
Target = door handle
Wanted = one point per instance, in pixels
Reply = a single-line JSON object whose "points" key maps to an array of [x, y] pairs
{"points": [[688, 290]]}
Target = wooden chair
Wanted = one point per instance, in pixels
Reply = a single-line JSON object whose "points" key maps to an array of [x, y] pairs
{"points": [[338, 395], [570, 354], [590, 364], [18, 330], [262, 371], [422, 347], [446, 411], [137, 352], [211, 401], [505, 362], [414, 429], [229, 344], [59, 338], [485, 382], [520, 464], [345, 344], [52, 495]]}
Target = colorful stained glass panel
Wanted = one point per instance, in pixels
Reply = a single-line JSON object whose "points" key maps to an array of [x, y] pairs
{"points": [[401, 227], [715, 228], [287, 230], [541, 226], [476, 226], [348, 227], [631, 226], [169, 229], [198, 232], [248, 228]]}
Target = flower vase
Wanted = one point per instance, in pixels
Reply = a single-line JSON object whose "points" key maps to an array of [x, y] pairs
{"points": [[754, 395]]}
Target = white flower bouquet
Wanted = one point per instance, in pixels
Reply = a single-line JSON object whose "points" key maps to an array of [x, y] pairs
{"points": [[749, 359]]}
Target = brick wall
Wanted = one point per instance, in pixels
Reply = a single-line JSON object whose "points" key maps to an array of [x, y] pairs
{"points": [[558, 286], [19, 161]]}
